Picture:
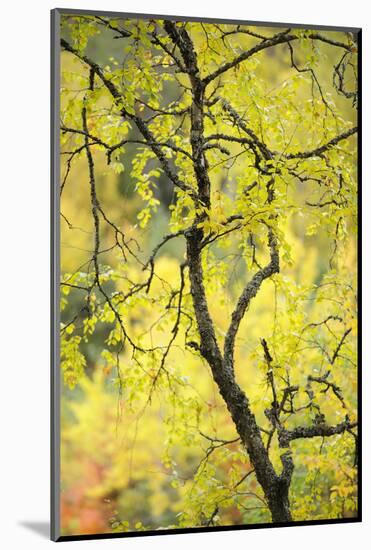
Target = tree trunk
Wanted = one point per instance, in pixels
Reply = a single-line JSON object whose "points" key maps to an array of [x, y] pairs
{"points": [[275, 487], [279, 504]]}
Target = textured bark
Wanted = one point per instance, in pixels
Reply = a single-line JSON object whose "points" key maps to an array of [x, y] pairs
{"points": [[319, 430], [275, 487], [181, 38], [249, 292]]}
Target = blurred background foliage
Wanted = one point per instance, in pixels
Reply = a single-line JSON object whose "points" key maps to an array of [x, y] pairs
{"points": [[133, 459]]}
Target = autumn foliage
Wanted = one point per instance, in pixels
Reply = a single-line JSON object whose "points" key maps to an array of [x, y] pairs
{"points": [[208, 274]]}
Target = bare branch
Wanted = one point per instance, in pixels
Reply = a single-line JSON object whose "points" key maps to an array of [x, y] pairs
{"points": [[249, 292], [279, 38], [320, 430], [323, 148], [264, 44], [141, 125]]}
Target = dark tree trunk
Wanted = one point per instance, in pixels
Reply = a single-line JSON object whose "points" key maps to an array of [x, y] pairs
{"points": [[275, 487], [279, 505]]}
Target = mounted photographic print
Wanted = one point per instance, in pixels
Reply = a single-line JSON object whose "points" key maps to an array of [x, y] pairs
{"points": [[205, 206]]}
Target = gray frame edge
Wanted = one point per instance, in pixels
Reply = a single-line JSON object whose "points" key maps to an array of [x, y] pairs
{"points": [[54, 286], [132, 15]]}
